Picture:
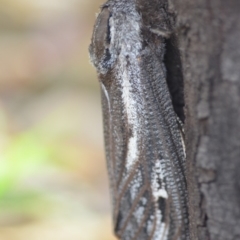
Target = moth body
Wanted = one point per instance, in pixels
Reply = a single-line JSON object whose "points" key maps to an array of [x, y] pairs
{"points": [[143, 142]]}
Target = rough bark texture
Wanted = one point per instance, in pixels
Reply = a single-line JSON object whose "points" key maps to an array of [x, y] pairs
{"points": [[209, 40]]}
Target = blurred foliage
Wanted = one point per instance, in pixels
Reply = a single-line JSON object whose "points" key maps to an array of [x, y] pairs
{"points": [[53, 180], [21, 156]]}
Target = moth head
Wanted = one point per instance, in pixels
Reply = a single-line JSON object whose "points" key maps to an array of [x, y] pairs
{"points": [[101, 53]]}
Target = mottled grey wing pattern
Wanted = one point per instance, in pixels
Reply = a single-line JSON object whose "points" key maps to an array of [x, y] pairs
{"points": [[143, 142]]}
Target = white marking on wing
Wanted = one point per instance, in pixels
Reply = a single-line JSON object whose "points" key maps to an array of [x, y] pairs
{"points": [[106, 95], [130, 47], [161, 193], [130, 107], [157, 181], [183, 144], [158, 190]]}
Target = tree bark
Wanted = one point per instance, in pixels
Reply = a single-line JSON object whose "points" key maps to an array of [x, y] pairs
{"points": [[209, 40]]}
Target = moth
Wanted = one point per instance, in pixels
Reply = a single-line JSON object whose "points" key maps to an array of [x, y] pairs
{"points": [[143, 136]]}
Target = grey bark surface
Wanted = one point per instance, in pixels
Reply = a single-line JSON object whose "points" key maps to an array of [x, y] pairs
{"points": [[209, 40]]}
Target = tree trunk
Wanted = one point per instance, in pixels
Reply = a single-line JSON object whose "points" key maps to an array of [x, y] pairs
{"points": [[209, 40]]}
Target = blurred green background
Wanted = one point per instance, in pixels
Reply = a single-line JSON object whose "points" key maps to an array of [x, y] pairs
{"points": [[53, 180]]}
